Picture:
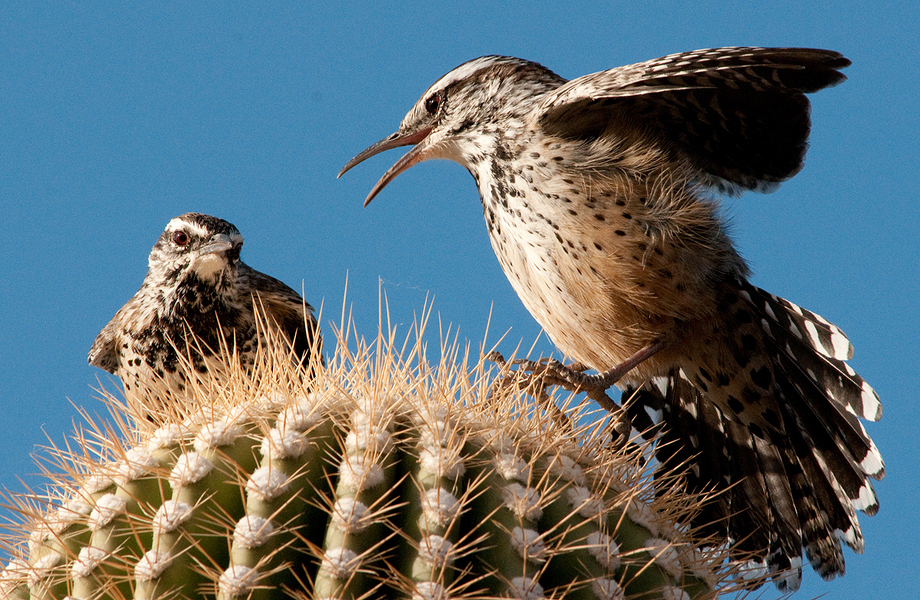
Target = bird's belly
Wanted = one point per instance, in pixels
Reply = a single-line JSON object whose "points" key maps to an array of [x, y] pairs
{"points": [[138, 375], [574, 303]]}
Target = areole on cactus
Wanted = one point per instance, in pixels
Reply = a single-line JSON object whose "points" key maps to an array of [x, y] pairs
{"points": [[385, 476]]}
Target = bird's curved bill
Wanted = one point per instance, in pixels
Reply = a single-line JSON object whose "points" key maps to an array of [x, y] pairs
{"points": [[412, 157], [218, 243]]}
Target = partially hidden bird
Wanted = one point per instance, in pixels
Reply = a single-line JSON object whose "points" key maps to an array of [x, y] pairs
{"points": [[199, 307], [601, 198]]}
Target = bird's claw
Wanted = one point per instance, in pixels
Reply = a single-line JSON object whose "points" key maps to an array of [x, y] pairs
{"points": [[535, 376]]}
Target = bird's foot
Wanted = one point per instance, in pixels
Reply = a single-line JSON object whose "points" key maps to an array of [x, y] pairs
{"points": [[535, 376], [534, 380]]}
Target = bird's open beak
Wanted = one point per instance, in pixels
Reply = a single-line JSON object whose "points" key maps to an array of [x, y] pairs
{"points": [[218, 244], [411, 157]]}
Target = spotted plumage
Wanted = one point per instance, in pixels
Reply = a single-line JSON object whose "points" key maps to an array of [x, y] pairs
{"points": [[198, 304], [600, 197]]}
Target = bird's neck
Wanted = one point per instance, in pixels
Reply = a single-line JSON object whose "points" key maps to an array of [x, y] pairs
{"points": [[188, 294]]}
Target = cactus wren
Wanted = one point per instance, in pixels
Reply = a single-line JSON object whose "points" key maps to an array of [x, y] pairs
{"points": [[200, 302], [600, 199]]}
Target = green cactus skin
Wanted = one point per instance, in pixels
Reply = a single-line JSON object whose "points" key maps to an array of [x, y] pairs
{"points": [[379, 481]]}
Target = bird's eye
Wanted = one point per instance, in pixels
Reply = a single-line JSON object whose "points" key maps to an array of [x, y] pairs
{"points": [[433, 103], [180, 238]]}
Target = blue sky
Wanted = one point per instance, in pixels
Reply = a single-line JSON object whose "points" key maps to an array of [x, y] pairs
{"points": [[115, 120]]}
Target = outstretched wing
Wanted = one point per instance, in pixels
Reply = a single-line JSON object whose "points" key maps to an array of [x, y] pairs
{"points": [[739, 114]]}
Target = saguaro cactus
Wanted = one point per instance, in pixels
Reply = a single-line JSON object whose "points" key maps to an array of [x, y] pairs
{"points": [[385, 477]]}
